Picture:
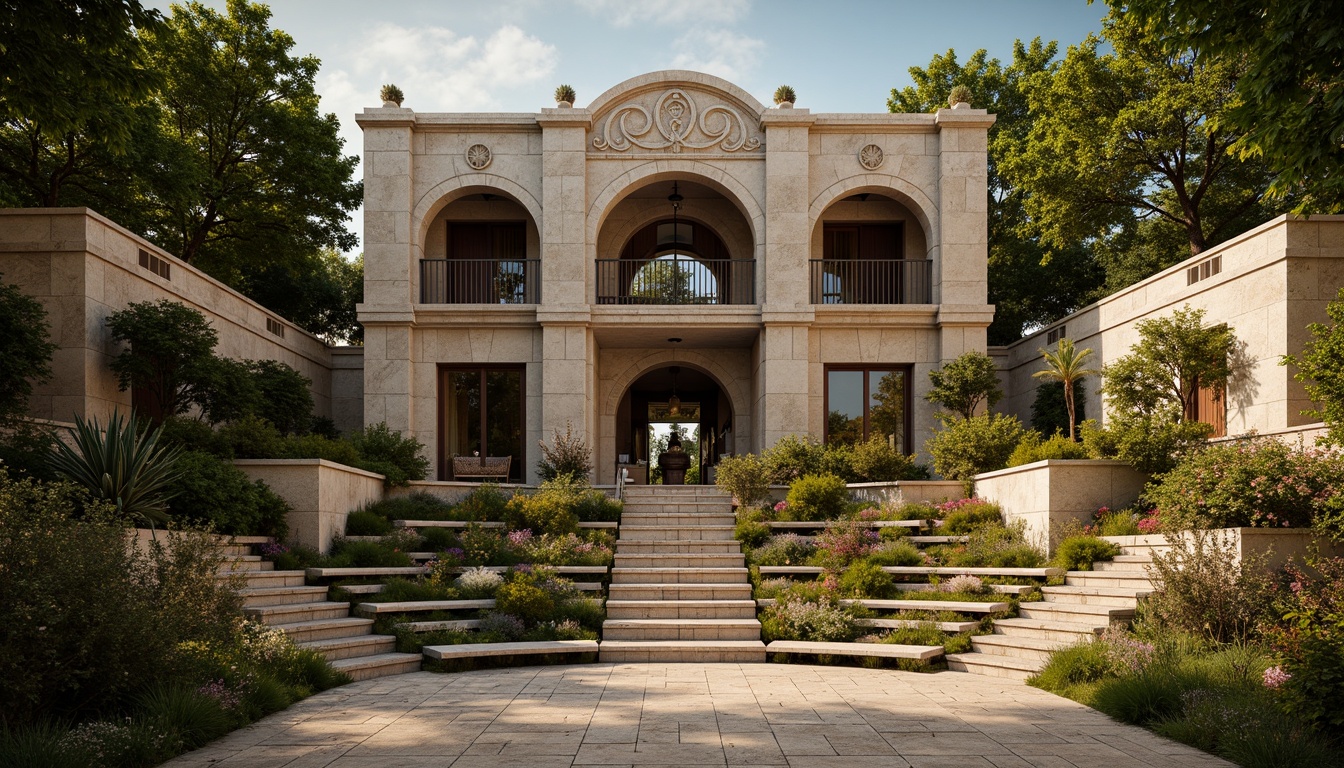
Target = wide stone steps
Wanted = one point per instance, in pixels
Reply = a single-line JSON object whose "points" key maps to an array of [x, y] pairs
{"points": [[325, 629], [1020, 647], [1064, 631], [246, 563], [265, 579], [1136, 580], [679, 588], [680, 560], [673, 546], [1123, 598], [681, 609]]}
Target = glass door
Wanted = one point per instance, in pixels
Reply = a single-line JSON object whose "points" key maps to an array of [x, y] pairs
{"points": [[481, 413]]}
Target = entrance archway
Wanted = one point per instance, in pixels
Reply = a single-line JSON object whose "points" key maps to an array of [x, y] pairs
{"points": [[672, 398]]}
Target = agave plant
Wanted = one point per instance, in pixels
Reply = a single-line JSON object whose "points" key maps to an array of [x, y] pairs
{"points": [[122, 465], [960, 95], [784, 94], [565, 95], [391, 93]]}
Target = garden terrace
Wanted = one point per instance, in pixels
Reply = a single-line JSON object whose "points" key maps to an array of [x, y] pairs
{"points": [[956, 606], [923, 570], [609, 525], [421, 570], [816, 525]]}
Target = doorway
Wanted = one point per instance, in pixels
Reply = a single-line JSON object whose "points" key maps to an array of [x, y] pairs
{"points": [[673, 398]]}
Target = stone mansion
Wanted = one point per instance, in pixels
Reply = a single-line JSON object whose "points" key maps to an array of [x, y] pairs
{"points": [[674, 253]]}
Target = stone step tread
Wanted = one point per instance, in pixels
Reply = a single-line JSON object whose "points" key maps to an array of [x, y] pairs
{"points": [[686, 645], [674, 555], [242, 558], [1031, 643], [352, 623], [1049, 625], [296, 589], [723, 571], [1018, 663], [322, 605], [884, 650], [1089, 591], [681, 623], [471, 650], [946, 626], [1118, 574], [1090, 609], [611, 604], [415, 606], [1143, 558], [362, 663], [333, 643]]}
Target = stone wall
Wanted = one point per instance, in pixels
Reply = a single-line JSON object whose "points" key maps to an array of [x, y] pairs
{"points": [[321, 494], [1275, 280], [1048, 496], [83, 267]]}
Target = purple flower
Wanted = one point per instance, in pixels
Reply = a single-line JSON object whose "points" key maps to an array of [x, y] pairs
{"points": [[1275, 677]]}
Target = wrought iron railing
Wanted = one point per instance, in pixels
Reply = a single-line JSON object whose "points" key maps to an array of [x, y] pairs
{"points": [[480, 281], [871, 281], [676, 279]]}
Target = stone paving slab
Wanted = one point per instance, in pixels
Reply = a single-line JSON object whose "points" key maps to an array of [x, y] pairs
{"points": [[728, 715]]}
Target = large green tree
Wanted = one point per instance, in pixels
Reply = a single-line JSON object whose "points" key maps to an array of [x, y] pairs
{"points": [[1289, 106], [264, 174], [1128, 142], [1029, 284], [1175, 358], [72, 73]]}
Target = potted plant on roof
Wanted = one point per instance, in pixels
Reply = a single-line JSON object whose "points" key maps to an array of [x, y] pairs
{"points": [[391, 95], [565, 96], [784, 97], [960, 97]]}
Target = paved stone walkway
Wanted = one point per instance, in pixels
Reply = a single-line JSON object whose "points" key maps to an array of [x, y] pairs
{"points": [[691, 715]]}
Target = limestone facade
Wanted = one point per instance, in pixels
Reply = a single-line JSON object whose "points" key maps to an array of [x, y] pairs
{"points": [[83, 267], [1268, 284], [570, 194]]}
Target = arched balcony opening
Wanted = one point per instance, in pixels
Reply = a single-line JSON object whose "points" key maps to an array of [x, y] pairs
{"points": [[481, 248], [868, 248]]}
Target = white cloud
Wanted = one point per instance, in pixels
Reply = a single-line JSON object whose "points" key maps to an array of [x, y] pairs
{"points": [[718, 52], [624, 13]]}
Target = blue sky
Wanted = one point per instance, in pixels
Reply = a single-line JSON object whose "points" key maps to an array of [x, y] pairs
{"points": [[508, 55]]}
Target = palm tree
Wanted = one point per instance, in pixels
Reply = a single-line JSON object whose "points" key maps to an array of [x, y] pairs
{"points": [[1065, 365]]}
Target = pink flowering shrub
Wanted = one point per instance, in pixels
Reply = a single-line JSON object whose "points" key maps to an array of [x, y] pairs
{"points": [[1275, 677], [1310, 644], [1127, 654], [1256, 483], [843, 543]]}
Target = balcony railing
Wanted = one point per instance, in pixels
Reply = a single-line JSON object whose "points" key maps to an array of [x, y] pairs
{"points": [[480, 281], [871, 281], [676, 279]]}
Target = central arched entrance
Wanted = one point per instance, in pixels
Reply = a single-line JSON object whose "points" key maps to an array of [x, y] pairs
{"points": [[672, 399]]}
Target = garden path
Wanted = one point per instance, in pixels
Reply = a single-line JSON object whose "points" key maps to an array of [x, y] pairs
{"points": [[691, 715]]}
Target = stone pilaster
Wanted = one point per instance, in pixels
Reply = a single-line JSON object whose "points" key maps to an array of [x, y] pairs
{"points": [[961, 274], [786, 313], [388, 263]]}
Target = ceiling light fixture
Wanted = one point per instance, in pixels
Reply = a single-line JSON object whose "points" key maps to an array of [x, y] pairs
{"points": [[674, 402]]}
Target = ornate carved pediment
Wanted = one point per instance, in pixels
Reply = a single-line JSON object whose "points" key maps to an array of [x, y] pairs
{"points": [[674, 120]]}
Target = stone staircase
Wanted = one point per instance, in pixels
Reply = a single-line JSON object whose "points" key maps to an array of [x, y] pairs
{"points": [[1082, 609], [280, 599], [679, 587]]}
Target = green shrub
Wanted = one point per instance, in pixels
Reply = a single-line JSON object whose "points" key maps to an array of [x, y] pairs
{"points": [[1147, 697], [1203, 586], [1310, 642], [751, 530], [795, 619], [194, 718], [896, 553], [193, 435], [549, 510], [784, 549], [1151, 444], [524, 599], [744, 478], [995, 547], [1085, 662], [876, 461], [970, 515], [366, 554], [213, 492], [383, 450], [91, 620], [484, 504], [791, 458], [413, 506], [252, 437], [1254, 483], [963, 449], [1049, 412], [284, 397], [1035, 448], [865, 579], [924, 633], [1077, 553], [319, 447], [567, 456], [365, 523], [1120, 522], [818, 497], [594, 506]]}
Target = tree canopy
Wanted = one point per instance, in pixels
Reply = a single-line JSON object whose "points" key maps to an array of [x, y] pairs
{"points": [[963, 384], [1175, 357], [1289, 105], [201, 131]]}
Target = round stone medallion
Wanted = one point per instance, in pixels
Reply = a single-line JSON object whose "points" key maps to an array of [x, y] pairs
{"points": [[478, 156], [871, 157]]}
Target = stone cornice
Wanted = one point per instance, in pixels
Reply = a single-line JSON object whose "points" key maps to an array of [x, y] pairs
{"points": [[565, 118], [964, 118], [968, 315], [787, 118]]}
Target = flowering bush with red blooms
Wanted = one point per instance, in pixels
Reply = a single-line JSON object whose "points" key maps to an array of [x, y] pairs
{"points": [[843, 543], [1257, 483], [1310, 642]]}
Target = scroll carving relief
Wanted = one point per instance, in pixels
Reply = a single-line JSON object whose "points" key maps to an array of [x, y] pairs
{"points": [[675, 123]]}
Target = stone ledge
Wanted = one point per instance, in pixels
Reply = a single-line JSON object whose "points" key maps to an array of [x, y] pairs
{"points": [[881, 650]]}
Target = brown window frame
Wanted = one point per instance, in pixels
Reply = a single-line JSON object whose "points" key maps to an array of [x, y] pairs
{"points": [[907, 368], [445, 461]]}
